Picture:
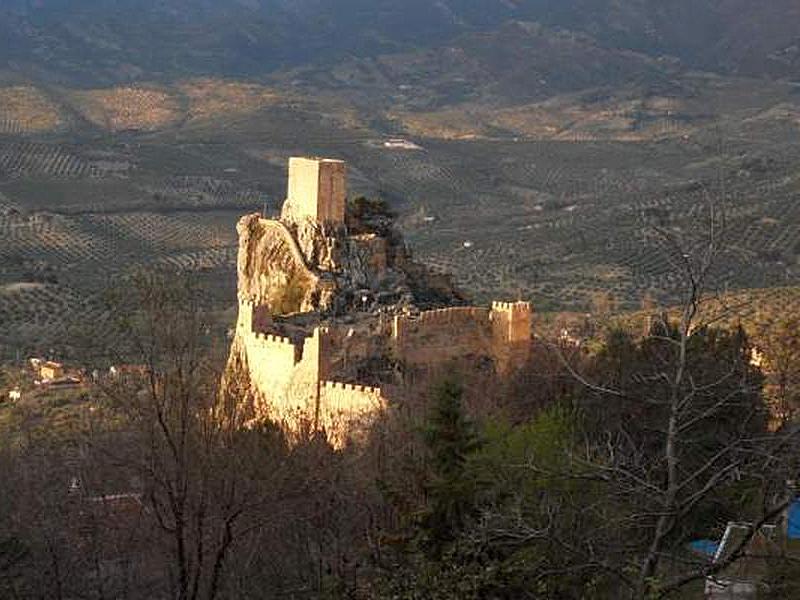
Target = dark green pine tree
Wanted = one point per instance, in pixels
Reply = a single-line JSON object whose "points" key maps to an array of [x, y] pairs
{"points": [[450, 438]]}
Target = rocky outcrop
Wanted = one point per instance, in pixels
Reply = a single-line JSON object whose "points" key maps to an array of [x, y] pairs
{"points": [[316, 300], [311, 266], [272, 269]]}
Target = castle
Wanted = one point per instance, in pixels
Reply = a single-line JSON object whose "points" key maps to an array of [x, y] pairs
{"points": [[322, 294]]}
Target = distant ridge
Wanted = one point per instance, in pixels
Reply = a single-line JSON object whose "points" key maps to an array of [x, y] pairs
{"points": [[110, 41]]}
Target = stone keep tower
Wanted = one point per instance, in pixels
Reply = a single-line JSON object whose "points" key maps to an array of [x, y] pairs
{"points": [[317, 190]]}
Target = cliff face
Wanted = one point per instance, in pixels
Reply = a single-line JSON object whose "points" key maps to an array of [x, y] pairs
{"points": [[272, 270], [309, 266]]}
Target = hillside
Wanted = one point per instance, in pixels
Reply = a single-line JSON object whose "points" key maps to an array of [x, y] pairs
{"points": [[104, 41], [551, 138]]}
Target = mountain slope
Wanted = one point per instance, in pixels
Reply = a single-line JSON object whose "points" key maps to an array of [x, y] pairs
{"points": [[116, 40]]}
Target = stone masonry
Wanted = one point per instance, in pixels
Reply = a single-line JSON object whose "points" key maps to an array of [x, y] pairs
{"points": [[317, 190]]}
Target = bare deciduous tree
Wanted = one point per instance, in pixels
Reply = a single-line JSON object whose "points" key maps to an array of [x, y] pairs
{"points": [[684, 422]]}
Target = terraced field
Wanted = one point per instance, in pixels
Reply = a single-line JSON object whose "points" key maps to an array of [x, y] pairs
{"points": [[206, 191], [532, 222]]}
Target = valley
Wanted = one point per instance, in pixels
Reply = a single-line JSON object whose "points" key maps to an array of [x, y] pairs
{"points": [[555, 201]]}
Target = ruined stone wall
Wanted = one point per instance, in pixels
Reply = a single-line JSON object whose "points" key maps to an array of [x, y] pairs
{"points": [[440, 335], [502, 333], [283, 376]]}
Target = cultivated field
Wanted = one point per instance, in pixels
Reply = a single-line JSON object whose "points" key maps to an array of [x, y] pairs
{"points": [[128, 108], [26, 110], [157, 176]]}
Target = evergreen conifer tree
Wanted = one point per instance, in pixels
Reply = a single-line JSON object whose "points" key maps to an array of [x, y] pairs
{"points": [[450, 438]]}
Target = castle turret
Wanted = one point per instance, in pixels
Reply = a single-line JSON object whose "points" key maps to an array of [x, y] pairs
{"points": [[317, 190], [512, 321], [511, 328]]}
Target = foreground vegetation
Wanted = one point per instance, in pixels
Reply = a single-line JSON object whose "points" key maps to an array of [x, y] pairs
{"points": [[586, 476]]}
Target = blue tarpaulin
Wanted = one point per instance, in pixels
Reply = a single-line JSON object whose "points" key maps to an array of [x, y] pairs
{"points": [[793, 527], [706, 547]]}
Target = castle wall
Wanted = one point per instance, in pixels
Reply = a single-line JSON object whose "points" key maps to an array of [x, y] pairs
{"points": [[300, 400], [434, 337], [295, 382], [292, 383], [271, 361], [441, 335], [343, 407]]}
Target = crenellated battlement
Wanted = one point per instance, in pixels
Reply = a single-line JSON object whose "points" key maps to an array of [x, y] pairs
{"points": [[512, 306], [449, 315], [454, 318], [436, 336], [352, 388], [247, 302], [274, 340], [512, 322], [253, 316], [345, 408]]}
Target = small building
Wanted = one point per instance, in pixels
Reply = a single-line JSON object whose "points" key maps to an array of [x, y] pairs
{"points": [[14, 395], [401, 144], [50, 371]]}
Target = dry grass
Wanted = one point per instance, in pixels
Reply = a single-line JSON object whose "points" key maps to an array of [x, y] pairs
{"points": [[564, 118], [460, 123], [210, 98], [144, 108], [134, 108], [27, 110]]}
